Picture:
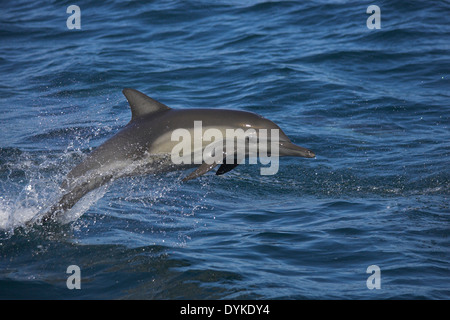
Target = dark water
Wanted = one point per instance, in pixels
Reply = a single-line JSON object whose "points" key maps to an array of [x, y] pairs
{"points": [[372, 104]]}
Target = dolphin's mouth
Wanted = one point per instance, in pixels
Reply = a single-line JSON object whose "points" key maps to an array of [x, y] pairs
{"points": [[290, 149]]}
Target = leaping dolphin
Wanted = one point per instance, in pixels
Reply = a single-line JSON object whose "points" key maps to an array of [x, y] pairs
{"points": [[145, 145]]}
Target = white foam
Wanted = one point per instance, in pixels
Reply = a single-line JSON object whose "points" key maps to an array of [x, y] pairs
{"points": [[15, 215], [4, 218], [30, 204]]}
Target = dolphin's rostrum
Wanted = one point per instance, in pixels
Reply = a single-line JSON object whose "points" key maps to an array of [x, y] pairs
{"points": [[145, 146]]}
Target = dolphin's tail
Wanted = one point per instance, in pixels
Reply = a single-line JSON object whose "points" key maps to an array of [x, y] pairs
{"points": [[70, 198], [66, 202]]}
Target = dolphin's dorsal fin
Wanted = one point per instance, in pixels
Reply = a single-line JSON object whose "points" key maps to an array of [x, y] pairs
{"points": [[141, 104]]}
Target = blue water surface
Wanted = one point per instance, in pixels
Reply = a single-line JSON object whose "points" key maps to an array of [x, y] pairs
{"points": [[373, 104]]}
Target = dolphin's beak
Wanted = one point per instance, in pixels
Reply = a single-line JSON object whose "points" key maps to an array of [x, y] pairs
{"points": [[289, 149]]}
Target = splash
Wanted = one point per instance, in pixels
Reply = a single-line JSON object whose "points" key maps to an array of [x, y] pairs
{"points": [[34, 200], [29, 184], [34, 197]]}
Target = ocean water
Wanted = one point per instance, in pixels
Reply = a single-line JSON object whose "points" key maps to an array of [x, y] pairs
{"points": [[373, 104]]}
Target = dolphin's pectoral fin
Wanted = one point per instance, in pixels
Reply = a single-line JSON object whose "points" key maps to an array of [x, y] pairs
{"points": [[204, 168], [225, 167]]}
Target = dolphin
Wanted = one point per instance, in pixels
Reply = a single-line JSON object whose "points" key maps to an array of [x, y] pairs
{"points": [[146, 143]]}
